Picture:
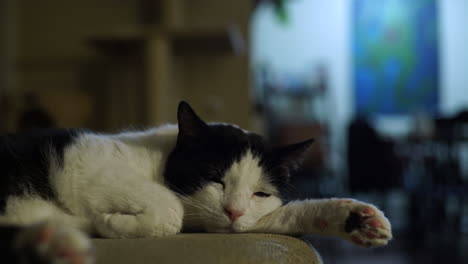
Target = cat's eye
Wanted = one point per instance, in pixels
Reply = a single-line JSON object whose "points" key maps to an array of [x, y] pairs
{"points": [[220, 182], [262, 194]]}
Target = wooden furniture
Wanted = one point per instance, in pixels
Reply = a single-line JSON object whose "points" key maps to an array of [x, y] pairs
{"points": [[186, 55]]}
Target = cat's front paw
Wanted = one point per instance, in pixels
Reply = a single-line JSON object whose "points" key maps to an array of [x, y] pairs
{"points": [[53, 243], [365, 225]]}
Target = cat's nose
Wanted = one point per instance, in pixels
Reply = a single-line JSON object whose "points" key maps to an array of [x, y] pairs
{"points": [[233, 213]]}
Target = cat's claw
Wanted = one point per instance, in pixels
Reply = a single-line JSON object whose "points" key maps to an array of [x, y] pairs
{"points": [[54, 243], [366, 225]]}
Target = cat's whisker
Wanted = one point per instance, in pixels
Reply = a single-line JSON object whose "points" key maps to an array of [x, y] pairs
{"points": [[197, 204], [193, 202], [189, 214], [196, 218], [204, 208]]}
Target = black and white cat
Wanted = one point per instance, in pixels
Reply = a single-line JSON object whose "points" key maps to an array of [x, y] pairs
{"points": [[196, 176]]}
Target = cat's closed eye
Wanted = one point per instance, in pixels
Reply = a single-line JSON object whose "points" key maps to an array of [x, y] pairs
{"points": [[219, 182], [262, 194]]}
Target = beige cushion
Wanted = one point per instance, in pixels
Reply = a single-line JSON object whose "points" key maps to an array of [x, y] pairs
{"points": [[206, 249]]}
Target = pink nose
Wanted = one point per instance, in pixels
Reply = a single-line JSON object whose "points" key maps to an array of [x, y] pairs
{"points": [[233, 213]]}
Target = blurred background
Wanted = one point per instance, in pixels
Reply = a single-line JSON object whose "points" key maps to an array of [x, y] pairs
{"points": [[382, 85]]}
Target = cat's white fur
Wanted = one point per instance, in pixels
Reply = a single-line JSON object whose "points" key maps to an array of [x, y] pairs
{"points": [[242, 180], [114, 185], [109, 181]]}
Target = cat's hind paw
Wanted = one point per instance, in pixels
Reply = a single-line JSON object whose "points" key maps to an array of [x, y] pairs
{"points": [[366, 225], [53, 243]]}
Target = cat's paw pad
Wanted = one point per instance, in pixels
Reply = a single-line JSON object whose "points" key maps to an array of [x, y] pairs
{"points": [[366, 225], [53, 243]]}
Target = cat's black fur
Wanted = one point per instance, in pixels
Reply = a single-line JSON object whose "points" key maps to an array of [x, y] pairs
{"points": [[24, 161], [204, 152], [24, 167]]}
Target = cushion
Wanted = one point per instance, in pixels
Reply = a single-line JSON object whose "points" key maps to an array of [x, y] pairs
{"points": [[207, 248]]}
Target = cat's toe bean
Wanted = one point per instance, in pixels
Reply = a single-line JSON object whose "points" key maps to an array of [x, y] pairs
{"points": [[366, 239], [374, 223], [368, 212], [366, 225], [357, 240], [55, 243], [370, 235], [73, 256], [384, 236]]}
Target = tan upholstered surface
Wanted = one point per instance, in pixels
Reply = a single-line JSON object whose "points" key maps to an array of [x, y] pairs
{"points": [[207, 249]]}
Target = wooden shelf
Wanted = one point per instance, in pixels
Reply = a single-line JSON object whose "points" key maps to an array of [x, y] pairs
{"points": [[187, 41], [221, 40]]}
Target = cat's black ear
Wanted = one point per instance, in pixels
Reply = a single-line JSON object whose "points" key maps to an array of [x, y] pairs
{"points": [[190, 125], [292, 156]]}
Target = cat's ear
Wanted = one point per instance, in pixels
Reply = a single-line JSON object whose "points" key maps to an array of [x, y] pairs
{"points": [[292, 156], [190, 125]]}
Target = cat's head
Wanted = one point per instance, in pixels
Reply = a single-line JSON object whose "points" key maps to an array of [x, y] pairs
{"points": [[227, 177]]}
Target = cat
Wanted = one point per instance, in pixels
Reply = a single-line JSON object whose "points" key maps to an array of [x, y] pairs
{"points": [[193, 176]]}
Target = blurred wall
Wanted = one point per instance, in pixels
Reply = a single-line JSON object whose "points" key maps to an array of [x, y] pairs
{"points": [[319, 31], [454, 55]]}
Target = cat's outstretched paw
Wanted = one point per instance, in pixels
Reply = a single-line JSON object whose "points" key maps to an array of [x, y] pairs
{"points": [[53, 243], [365, 225]]}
